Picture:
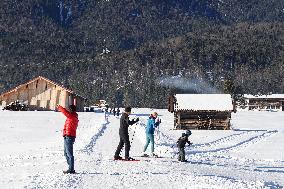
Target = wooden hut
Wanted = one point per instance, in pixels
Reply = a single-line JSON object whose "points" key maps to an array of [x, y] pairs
{"points": [[41, 93], [201, 111]]}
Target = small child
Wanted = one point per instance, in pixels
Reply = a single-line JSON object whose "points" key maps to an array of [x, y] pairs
{"points": [[181, 144]]}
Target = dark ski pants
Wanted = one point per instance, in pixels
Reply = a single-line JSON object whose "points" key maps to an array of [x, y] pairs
{"points": [[123, 140], [181, 155], [68, 151]]}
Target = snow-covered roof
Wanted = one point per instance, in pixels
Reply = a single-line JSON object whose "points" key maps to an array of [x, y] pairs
{"points": [[264, 96], [217, 102]]}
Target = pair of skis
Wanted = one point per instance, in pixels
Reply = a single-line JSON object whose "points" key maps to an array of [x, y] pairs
{"points": [[127, 159], [123, 159], [132, 159]]}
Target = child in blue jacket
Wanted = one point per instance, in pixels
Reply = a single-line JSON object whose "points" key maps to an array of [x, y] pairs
{"points": [[152, 123]]}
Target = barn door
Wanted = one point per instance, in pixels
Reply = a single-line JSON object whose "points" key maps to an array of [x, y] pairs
{"points": [[48, 104], [57, 97], [38, 103]]}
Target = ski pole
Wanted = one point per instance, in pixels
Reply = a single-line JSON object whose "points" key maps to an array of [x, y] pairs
{"points": [[170, 148], [133, 135]]}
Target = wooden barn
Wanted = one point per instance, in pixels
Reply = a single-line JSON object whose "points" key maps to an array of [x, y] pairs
{"points": [[201, 111], [273, 102], [42, 94]]}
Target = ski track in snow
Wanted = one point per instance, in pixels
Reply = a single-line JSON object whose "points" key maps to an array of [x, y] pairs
{"points": [[220, 158], [237, 146], [239, 141], [167, 145], [207, 163], [58, 179], [89, 147], [218, 141]]}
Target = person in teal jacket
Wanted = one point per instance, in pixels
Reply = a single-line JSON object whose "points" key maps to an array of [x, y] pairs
{"points": [[152, 123]]}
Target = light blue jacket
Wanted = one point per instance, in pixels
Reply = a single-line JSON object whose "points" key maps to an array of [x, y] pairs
{"points": [[151, 125]]}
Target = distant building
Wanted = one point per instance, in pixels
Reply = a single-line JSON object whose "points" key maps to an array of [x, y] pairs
{"points": [[273, 102], [101, 103], [42, 94], [201, 111]]}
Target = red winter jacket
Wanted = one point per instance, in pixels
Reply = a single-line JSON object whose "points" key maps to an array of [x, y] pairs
{"points": [[71, 122]]}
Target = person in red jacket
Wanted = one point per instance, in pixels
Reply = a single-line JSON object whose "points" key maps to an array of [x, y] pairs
{"points": [[69, 134]]}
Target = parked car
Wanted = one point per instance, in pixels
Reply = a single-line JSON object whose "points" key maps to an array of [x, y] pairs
{"points": [[16, 106]]}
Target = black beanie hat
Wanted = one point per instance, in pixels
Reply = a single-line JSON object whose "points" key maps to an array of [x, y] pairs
{"points": [[127, 109]]}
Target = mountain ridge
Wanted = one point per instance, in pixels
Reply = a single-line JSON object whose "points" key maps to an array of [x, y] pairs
{"points": [[103, 44]]}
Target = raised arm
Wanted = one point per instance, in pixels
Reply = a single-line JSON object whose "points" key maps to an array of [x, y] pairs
{"points": [[157, 123], [188, 142], [64, 111]]}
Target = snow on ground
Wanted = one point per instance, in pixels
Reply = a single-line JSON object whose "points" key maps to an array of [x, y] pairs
{"points": [[251, 155]]}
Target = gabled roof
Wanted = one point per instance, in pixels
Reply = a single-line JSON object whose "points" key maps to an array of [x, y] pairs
{"points": [[42, 78], [215, 102]]}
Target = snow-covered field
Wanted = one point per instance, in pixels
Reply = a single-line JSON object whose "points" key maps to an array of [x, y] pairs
{"points": [[249, 156]]}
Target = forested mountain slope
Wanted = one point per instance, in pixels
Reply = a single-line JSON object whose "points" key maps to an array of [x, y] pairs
{"points": [[137, 52]]}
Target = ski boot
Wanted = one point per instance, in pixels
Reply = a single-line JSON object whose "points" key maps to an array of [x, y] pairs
{"points": [[117, 158], [69, 172]]}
